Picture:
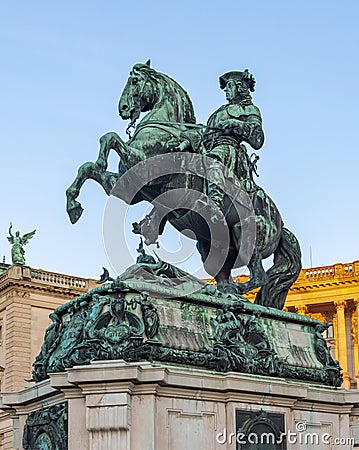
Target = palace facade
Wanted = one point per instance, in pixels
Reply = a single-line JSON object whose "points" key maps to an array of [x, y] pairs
{"points": [[27, 297]]}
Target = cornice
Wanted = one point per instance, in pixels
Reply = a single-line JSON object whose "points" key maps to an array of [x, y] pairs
{"points": [[316, 285], [316, 278], [41, 279]]}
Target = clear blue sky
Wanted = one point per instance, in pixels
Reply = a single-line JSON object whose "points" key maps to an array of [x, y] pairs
{"points": [[65, 64]]}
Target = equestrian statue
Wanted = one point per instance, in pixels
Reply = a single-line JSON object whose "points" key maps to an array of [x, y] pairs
{"points": [[200, 178]]}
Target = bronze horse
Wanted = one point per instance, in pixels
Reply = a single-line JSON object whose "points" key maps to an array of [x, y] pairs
{"points": [[170, 115]]}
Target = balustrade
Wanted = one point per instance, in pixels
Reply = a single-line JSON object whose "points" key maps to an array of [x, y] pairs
{"points": [[59, 279]]}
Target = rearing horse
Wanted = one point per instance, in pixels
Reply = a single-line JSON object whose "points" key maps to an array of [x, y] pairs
{"points": [[169, 121]]}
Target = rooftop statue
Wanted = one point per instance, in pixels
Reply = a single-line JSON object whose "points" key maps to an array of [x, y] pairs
{"points": [[199, 178], [18, 242]]}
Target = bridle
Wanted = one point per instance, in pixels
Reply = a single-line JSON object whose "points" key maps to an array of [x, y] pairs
{"points": [[137, 95]]}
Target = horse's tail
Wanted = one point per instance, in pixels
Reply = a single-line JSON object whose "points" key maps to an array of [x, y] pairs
{"points": [[285, 270]]}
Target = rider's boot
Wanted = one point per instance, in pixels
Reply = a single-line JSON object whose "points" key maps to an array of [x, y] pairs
{"points": [[215, 194], [213, 208], [215, 190]]}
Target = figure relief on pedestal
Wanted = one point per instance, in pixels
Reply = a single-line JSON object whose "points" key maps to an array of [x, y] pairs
{"points": [[198, 178]]}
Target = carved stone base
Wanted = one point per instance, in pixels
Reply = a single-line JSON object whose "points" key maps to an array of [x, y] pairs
{"points": [[132, 406], [136, 319]]}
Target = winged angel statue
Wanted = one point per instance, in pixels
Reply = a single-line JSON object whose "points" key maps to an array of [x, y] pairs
{"points": [[18, 242]]}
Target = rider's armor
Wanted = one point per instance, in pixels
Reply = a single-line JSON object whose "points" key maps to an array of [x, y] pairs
{"points": [[244, 124]]}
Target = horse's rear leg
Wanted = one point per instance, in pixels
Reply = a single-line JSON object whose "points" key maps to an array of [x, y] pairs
{"points": [[219, 266], [285, 270], [257, 275]]}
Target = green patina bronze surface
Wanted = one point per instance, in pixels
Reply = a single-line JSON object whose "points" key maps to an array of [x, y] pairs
{"points": [[18, 242], [46, 429], [155, 311], [213, 157], [146, 315]]}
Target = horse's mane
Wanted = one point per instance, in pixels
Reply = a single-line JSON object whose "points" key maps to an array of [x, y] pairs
{"points": [[171, 91]]}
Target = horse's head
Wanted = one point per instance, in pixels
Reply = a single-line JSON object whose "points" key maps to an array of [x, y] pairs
{"points": [[140, 92], [147, 89]]}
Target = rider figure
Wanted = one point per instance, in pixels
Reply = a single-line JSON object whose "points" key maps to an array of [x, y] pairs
{"points": [[236, 122]]}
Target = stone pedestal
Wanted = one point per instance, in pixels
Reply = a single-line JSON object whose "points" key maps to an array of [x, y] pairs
{"points": [[141, 364], [144, 406], [136, 320]]}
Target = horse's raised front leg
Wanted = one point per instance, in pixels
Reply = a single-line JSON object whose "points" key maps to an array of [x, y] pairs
{"points": [[88, 170], [112, 141], [129, 154], [108, 142], [96, 171]]}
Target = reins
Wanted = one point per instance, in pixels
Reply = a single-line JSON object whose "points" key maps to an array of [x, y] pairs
{"points": [[178, 125]]}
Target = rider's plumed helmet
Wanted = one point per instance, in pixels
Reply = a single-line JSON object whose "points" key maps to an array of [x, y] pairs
{"points": [[238, 77]]}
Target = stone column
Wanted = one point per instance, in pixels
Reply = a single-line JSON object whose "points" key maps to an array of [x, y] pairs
{"points": [[335, 330], [342, 341], [331, 341], [355, 325]]}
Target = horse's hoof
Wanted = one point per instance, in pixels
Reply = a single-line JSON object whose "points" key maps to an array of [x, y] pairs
{"points": [[240, 288], [209, 289], [230, 289], [75, 213], [227, 288]]}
